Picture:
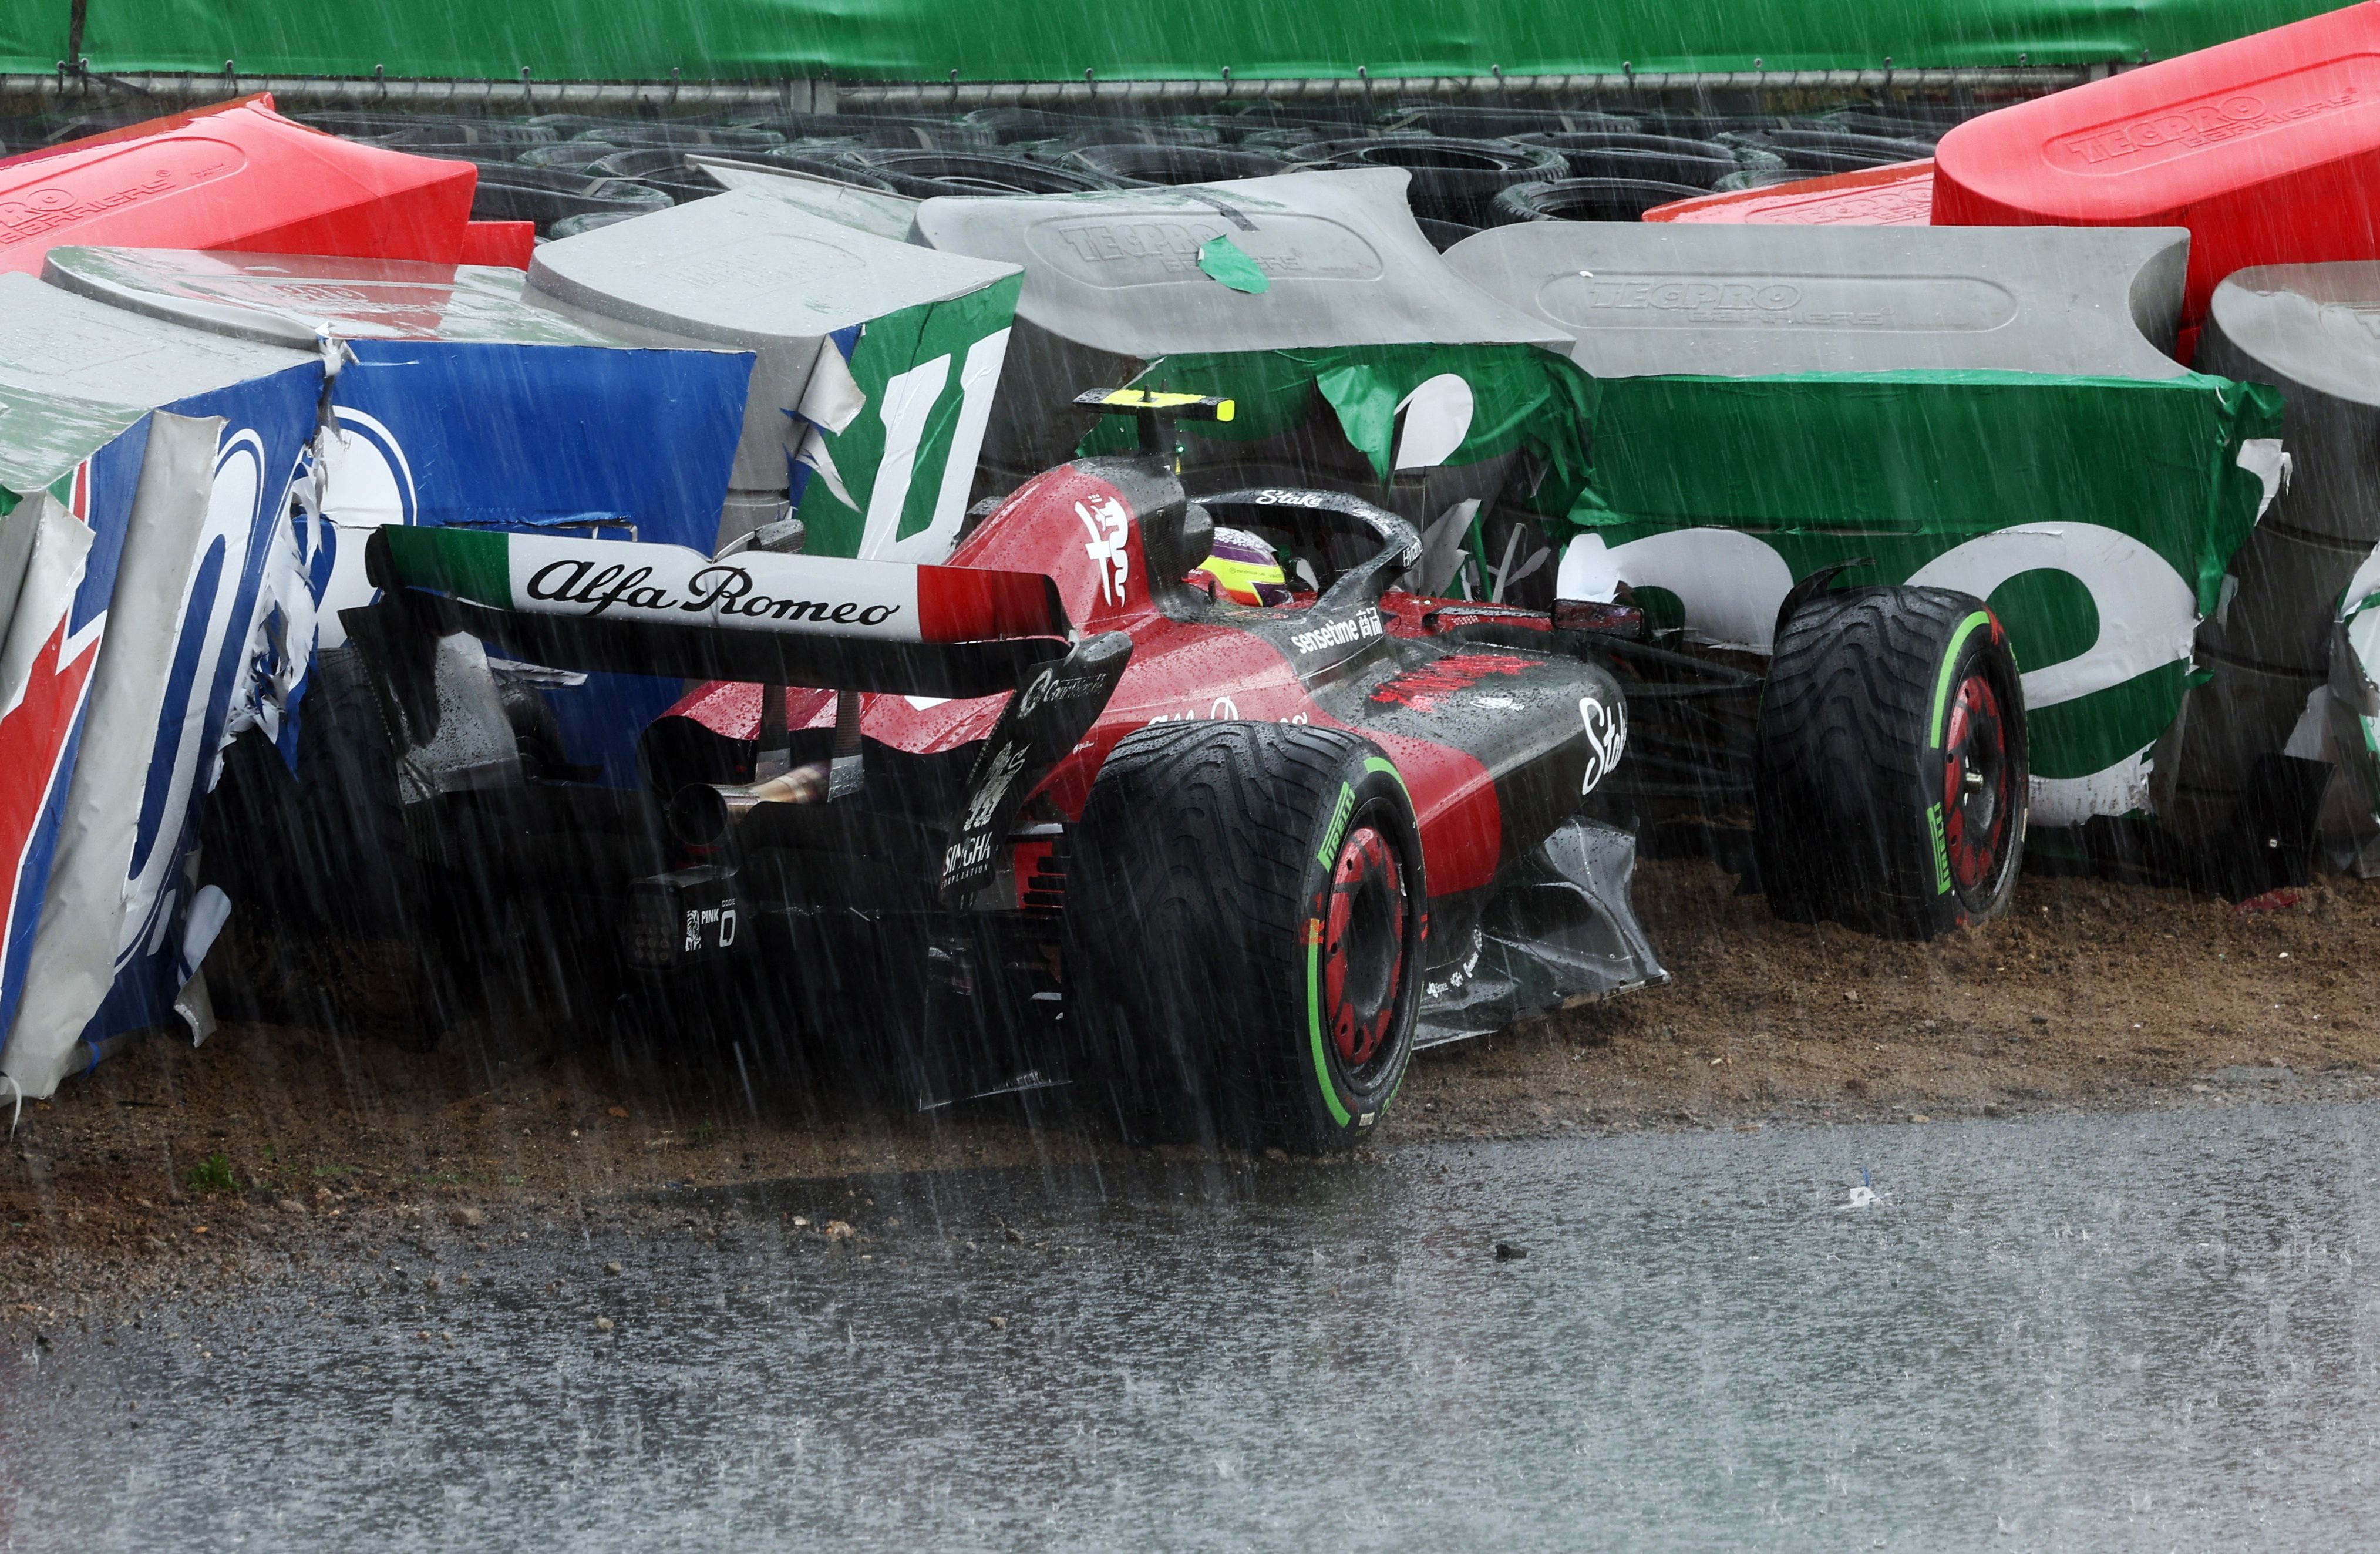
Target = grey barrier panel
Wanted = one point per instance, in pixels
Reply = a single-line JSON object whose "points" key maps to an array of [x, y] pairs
{"points": [[1112, 280], [866, 210], [747, 273], [1641, 299], [293, 299], [79, 374], [53, 342]]}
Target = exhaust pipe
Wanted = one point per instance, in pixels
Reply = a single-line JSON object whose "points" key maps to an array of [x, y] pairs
{"points": [[704, 814]]}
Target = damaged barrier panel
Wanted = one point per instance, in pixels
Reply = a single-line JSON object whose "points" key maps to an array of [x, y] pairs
{"points": [[166, 601], [2287, 652], [876, 362], [455, 402]]}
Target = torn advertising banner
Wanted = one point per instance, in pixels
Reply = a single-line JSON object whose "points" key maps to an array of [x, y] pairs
{"points": [[875, 362], [455, 402], [193, 605], [2095, 516]]}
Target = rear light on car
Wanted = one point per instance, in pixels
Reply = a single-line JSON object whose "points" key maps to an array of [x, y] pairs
{"points": [[1040, 875]]}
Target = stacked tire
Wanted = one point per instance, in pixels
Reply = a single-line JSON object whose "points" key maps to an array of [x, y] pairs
{"points": [[1455, 182]]}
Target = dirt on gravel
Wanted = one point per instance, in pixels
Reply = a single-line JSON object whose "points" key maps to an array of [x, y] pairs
{"points": [[169, 1168]]}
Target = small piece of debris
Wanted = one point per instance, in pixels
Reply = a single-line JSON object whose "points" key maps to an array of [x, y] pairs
{"points": [[837, 1230], [466, 1218], [613, 1268], [602, 1324], [998, 1322], [1506, 1251], [617, 1111]]}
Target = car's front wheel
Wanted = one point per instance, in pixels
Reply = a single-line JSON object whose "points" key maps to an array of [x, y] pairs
{"points": [[1891, 779]]}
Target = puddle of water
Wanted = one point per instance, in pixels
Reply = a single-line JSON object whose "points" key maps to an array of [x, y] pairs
{"points": [[2152, 1331]]}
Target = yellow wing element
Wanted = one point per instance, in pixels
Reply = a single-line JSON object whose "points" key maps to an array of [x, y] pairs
{"points": [[1131, 402]]}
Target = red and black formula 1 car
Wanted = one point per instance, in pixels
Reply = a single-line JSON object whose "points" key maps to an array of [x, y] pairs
{"points": [[1224, 866], [1063, 810]]}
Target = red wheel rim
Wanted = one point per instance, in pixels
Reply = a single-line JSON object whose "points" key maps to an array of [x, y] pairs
{"points": [[1364, 946], [1977, 801]]}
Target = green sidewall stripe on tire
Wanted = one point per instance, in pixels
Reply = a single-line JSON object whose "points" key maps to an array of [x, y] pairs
{"points": [[1941, 732], [1314, 1014], [1326, 856], [1950, 663]]}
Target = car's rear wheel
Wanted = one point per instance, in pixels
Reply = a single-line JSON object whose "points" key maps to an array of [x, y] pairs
{"points": [[1890, 780], [1245, 906]]}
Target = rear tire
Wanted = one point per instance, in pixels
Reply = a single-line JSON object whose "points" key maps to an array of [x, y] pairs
{"points": [[1891, 778], [1245, 906]]}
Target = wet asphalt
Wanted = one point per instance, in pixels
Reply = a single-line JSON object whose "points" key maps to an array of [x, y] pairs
{"points": [[2153, 1331]]}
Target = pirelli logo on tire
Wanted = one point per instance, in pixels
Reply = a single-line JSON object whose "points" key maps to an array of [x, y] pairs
{"points": [[1338, 826]]}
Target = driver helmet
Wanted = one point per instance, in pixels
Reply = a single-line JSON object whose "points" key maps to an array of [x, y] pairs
{"points": [[1243, 569]]}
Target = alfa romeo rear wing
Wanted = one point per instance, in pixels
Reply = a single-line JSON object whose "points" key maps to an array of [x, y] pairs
{"points": [[627, 607]]}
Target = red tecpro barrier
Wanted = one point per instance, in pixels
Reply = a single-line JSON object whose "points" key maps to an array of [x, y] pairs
{"points": [[239, 176], [2267, 148], [1901, 195]]}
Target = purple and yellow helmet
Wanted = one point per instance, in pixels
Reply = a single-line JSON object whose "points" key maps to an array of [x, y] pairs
{"points": [[1243, 569]]}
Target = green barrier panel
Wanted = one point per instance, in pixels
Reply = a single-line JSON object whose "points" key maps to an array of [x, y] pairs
{"points": [[1522, 399], [1059, 40], [932, 345], [2097, 515]]}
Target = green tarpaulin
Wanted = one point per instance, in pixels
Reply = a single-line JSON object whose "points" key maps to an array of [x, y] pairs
{"points": [[2096, 515], [1520, 399], [1059, 40]]}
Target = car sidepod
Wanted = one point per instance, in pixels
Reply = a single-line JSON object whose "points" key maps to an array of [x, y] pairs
{"points": [[1529, 899]]}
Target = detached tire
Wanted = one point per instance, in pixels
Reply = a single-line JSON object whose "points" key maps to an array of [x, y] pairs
{"points": [[1891, 778], [1244, 904]]}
